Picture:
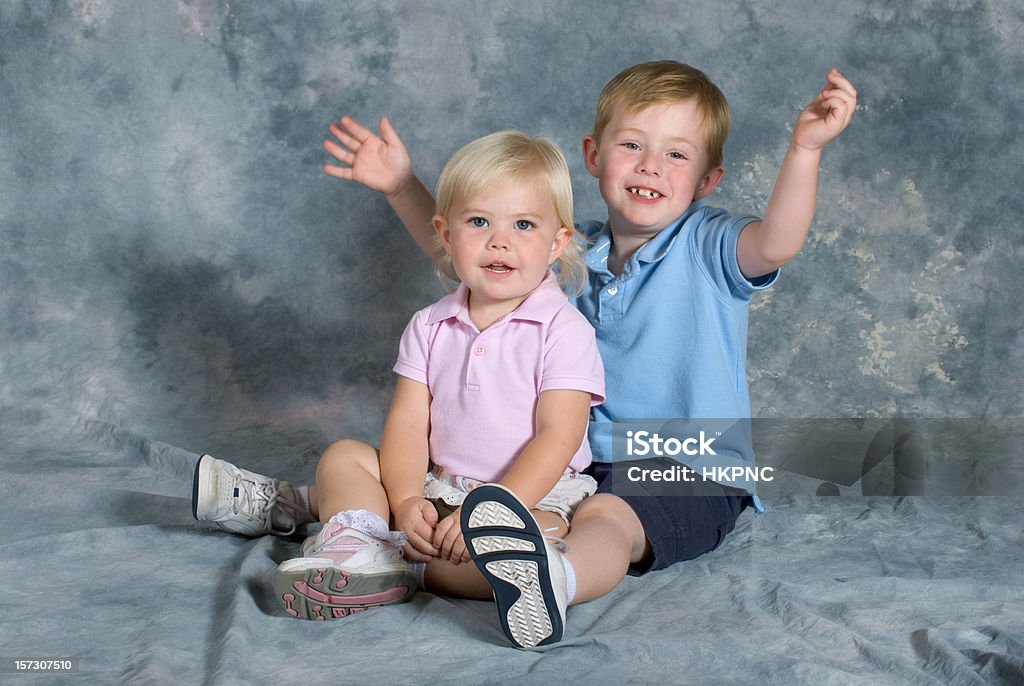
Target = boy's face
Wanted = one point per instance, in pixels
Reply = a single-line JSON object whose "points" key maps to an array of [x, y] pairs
{"points": [[650, 166], [502, 241]]}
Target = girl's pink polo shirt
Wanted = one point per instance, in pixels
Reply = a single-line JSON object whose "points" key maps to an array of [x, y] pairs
{"points": [[484, 385]]}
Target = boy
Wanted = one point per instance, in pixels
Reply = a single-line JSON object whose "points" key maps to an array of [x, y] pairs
{"points": [[670, 281]]}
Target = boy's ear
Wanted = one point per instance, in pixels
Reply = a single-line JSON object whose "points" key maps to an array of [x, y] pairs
{"points": [[708, 183], [590, 154]]}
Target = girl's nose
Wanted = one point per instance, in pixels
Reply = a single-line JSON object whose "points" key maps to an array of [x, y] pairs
{"points": [[500, 239]]}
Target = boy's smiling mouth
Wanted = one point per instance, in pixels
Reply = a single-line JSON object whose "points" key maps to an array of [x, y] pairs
{"points": [[645, 193]]}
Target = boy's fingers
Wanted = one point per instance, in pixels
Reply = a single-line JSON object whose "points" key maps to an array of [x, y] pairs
{"points": [[346, 140], [841, 105], [343, 135], [339, 172], [338, 152], [357, 129], [387, 132], [839, 81]]}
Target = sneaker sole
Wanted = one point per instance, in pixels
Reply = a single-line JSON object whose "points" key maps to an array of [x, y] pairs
{"points": [[195, 487], [320, 593], [508, 548]]}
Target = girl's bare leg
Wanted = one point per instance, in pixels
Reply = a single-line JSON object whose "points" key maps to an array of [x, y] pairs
{"points": [[348, 478]]}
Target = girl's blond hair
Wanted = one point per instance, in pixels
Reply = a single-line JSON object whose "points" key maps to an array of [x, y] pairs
{"points": [[513, 156]]}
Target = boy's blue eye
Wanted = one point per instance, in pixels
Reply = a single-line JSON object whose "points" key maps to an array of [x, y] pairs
{"points": [[478, 222], [631, 146], [524, 225], [677, 155]]}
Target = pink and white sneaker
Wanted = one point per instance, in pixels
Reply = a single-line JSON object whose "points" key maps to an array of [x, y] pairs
{"points": [[342, 571]]}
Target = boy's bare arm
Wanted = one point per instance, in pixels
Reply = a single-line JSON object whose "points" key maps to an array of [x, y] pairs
{"points": [[767, 245], [382, 163]]}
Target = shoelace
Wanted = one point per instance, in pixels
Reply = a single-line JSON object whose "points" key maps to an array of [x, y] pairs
{"points": [[556, 542], [258, 500]]}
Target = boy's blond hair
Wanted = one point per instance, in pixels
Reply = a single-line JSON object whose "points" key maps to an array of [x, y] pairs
{"points": [[666, 82], [513, 156]]}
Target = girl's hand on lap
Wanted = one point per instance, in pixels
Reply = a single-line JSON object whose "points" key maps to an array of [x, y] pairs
{"points": [[417, 519], [448, 539]]}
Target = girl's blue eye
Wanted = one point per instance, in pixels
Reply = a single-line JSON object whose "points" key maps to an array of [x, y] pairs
{"points": [[478, 222], [524, 225]]}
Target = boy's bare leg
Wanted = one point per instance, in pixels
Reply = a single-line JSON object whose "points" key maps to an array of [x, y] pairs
{"points": [[348, 478], [606, 536], [550, 523]]}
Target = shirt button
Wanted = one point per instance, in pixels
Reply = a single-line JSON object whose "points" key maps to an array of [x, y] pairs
{"points": [[612, 291], [479, 351]]}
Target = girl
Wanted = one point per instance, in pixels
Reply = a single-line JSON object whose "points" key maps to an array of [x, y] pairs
{"points": [[495, 385]]}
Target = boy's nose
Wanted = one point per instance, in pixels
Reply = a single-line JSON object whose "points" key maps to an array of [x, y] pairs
{"points": [[649, 164]]}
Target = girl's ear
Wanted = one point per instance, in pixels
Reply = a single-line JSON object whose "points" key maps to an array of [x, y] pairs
{"points": [[562, 239], [443, 232]]}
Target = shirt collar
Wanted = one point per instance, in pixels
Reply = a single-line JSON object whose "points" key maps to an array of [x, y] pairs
{"points": [[540, 306], [653, 250]]}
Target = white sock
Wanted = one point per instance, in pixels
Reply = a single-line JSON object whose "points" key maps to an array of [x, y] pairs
{"points": [[303, 493], [419, 569], [371, 524], [570, 580]]}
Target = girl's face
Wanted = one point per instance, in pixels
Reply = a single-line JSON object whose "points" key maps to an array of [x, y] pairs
{"points": [[502, 241]]}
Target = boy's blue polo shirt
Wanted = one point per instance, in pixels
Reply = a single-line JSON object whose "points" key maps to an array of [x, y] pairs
{"points": [[672, 328]]}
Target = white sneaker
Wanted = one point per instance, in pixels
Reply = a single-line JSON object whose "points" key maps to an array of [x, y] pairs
{"points": [[244, 502], [342, 571], [524, 570]]}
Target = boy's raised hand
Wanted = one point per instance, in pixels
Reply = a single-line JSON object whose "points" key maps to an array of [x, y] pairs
{"points": [[827, 115], [378, 162]]}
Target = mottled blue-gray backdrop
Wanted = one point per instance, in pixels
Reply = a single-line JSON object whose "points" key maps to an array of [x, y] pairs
{"points": [[175, 266]]}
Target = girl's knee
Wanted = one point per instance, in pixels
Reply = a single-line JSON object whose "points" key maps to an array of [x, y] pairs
{"points": [[347, 454]]}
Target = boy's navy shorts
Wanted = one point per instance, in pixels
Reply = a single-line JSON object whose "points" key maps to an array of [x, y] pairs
{"points": [[682, 520]]}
